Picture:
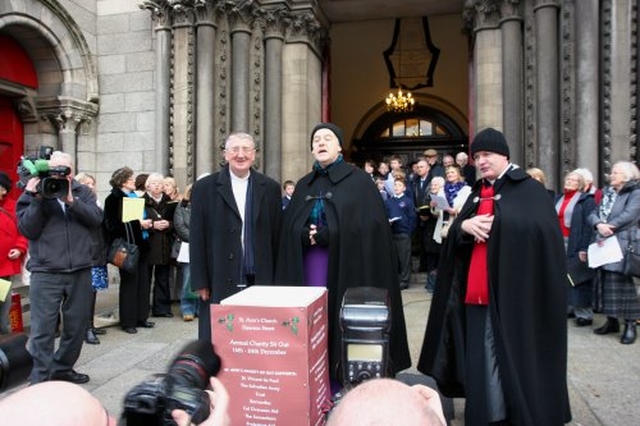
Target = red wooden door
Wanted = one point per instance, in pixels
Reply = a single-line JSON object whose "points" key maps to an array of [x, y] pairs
{"points": [[11, 141]]}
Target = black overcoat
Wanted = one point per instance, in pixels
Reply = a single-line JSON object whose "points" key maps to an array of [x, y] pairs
{"points": [[527, 304], [360, 249], [215, 248]]}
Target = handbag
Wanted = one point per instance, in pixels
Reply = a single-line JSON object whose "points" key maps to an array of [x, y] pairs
{"points": [[123, 253], [632, 255], [175, 248]]}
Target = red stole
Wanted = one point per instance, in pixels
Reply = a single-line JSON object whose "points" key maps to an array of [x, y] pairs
{"points": [[478, 279]]}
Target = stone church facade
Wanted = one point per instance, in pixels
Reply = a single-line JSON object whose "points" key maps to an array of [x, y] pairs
{"points": [[158, 84]]}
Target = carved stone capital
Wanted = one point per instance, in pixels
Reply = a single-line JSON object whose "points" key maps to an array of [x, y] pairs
{"points": [[183, 13], [160, 12], [304, 27], [206, 12], [241, 14], [275, 22], [481, 14], [66, 114]]}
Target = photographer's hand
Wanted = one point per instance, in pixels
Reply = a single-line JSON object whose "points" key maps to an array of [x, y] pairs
{"points": [[69, 198], [32, 185], [219, 401]]}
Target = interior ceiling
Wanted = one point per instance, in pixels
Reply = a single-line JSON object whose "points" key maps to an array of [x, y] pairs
{"points": [[367, 10]]}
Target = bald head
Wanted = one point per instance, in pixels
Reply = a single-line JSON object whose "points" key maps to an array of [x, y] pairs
{"points": [[385, 402], [54, 404]]}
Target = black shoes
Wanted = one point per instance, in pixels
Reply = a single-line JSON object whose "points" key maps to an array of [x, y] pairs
{"points": [[99, 331], [611, 326], [629, 334], [165, 315], [71, 376], [91, 338], [582, 322], [146, 324], [130, 330]]}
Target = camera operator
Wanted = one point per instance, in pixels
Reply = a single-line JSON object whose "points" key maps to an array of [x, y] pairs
{"points": [[59, 233]]}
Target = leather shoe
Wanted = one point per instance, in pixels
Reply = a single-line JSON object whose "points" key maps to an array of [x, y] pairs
{"points": [[71, 376], [582, 322], [99, 331], [611, 326], [146, 324], [130, 330], [629, 335], [571, 315], [91, 338], [165, 315]]}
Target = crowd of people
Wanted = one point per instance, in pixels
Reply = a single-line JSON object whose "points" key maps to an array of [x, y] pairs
{"points": [[340, 226]]}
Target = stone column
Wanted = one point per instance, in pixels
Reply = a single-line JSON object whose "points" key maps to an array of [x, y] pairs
{"points": [[548, 86], [205, 90], [620, 75], [488, 68], [67, 122], [512, 74], [240, 54], [163, 82], [302, 97], [587, 81], [183, 130], [274, 40]]}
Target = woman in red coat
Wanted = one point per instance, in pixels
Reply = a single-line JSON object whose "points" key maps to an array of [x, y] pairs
{"points": [[13, 246]]}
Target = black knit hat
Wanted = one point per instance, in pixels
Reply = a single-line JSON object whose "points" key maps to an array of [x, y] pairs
{"points": [[5, 181], [335, 129], [491, 140]]}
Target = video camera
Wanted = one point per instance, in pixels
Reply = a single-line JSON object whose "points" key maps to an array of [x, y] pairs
{"points": [[15, 360], [53, 180], [365, 321], [182, 387]]}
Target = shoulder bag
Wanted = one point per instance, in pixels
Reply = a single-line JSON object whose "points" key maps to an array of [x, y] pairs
{"points": [[123, 253], [632, 255]]}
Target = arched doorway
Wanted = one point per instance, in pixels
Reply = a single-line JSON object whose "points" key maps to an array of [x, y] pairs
{"points": [[408, 135]]}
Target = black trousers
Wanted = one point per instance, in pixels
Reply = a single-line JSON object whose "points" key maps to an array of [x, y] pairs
{"points": [[134, 295]]}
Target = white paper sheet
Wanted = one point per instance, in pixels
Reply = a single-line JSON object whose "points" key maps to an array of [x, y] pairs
{"points": [[183, 255], [604, 251]]}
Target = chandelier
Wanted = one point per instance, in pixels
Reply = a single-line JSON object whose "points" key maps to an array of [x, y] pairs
{"points": [[400, 102]]}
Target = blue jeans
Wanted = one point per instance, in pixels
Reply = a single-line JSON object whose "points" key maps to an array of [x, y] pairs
{"points": [[188, 306]]}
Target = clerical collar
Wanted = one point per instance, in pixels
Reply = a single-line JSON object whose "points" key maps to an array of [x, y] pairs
{"points": [[236, 177]]}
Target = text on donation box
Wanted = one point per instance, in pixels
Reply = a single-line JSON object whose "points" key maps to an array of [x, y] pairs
{"points": [[273, 342]]}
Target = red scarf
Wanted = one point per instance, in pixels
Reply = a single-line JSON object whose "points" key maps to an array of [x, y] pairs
{"points": [[568, 195], [478, 279]]}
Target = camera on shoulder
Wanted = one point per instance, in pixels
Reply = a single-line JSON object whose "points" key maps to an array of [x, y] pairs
{"points": [[182, 387], [53, 180]]}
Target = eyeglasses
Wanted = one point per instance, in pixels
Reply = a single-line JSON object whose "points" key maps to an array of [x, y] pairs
{"points": [[235, 150]]}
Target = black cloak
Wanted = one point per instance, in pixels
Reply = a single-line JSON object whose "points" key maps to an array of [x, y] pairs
{"points": [[360, 250], [527, 304]]}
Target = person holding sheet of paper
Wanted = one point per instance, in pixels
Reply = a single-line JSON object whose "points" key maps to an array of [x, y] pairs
{"points": [[618, 215], [134, 287]]}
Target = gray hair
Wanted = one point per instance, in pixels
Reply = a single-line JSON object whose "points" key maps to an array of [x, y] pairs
{"points": [[629, 169], [238, 135]]}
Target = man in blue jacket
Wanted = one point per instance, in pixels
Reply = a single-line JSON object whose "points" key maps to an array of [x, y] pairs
{"points": [[59, 233]]}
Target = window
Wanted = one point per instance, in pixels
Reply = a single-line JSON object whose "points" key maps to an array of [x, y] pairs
{"points": [[413, 128]]}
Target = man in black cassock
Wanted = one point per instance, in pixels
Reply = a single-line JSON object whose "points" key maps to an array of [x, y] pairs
{"points": [[337, 210], [497, 331]]}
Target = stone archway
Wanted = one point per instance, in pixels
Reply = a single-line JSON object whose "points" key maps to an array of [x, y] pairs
{"points": [[66, 68]]}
